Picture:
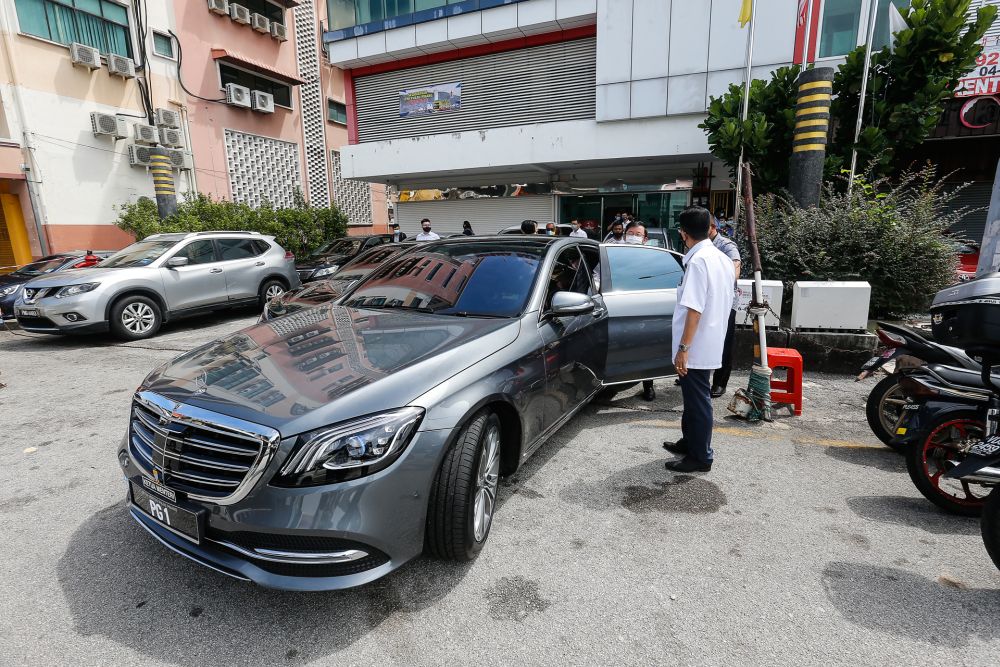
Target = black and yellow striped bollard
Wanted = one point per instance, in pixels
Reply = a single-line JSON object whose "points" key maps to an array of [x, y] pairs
{"points": [[163, 183], [812, 124]]}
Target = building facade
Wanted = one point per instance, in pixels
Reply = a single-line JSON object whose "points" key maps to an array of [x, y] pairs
{"points": [[496, 110], [238, 92]]}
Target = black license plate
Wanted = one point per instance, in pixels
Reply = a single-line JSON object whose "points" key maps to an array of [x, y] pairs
{"points": [[987, 447], [175, 519], [28, 312]]}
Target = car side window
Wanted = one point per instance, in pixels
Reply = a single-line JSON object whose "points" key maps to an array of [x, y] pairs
{"points": [[236, 249], [592, 258], [569, 274], [198, 252], [638, 268], [260, 247]]}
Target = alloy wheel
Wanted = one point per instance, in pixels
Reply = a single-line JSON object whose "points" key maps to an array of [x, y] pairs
{"points": [[138, 317], [890, 408], [273, 290], [487, 480], [944, 449]]}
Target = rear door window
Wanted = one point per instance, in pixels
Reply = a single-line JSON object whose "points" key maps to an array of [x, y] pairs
{"points": [[639, 268], [236, 249]]}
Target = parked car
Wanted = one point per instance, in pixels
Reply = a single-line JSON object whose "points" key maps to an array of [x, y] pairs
{"points": [[327, 260], [325, 449], [162, 277], [329, 289], [661, 238], [968, 261], [11, 283], [564, 230]]}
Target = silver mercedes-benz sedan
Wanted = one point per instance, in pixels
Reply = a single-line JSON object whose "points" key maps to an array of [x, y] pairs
{"points": [[324, 449]]}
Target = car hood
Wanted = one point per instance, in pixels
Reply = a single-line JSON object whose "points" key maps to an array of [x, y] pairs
{"points": [[75, 277], [328, 364], [325, 260], [11, 279]]}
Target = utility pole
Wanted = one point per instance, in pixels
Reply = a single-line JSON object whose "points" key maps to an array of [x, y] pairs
{"points": [[163, 183]]}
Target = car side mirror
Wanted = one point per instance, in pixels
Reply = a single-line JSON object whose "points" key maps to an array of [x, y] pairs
{"points": [[174, 262], [571, 303]]}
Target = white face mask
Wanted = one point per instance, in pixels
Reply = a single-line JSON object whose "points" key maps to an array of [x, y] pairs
{"points": [[634, 239]]}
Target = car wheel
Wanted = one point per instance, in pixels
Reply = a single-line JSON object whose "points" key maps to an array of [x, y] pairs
{"points": [[268, 290], [135, 318], [463, 496]]}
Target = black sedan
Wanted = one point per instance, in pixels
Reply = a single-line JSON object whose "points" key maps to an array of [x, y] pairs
{"points": [[333, 256], [10, 284]]}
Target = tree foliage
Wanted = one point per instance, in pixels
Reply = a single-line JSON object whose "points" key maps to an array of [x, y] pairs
{"points": [[891, 235], [904, 101], [300, 228]]}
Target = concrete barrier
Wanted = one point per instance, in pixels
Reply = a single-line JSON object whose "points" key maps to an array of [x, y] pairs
{"points": [[821, 352]]}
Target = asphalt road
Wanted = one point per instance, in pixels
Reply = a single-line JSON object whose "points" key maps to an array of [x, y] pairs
{"points": [[807, 544]]}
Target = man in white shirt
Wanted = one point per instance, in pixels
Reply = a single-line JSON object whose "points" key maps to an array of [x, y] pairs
{"points": [[577, 232], [426, 234], [704, 301]]}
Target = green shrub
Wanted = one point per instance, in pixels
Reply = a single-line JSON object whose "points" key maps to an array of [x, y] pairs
{"points": [[893, 236], [301, 228]]}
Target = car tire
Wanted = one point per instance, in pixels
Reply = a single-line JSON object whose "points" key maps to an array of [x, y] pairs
{"points": [[990, 526], [268, 291], [463, 497], [886, 390], [135, 318]]}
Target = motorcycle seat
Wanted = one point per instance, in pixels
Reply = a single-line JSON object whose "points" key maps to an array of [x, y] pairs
{"points": [[962, 377]]}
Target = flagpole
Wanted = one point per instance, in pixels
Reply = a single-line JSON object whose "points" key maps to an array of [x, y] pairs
{"points": [[743, 115], [872, 10], [806, 34]]}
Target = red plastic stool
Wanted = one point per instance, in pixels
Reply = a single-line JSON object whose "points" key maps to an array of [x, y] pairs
{"points": [[789, 390]]}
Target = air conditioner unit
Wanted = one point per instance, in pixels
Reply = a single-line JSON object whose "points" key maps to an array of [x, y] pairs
{"points": [[279, 31], [237, 96], [262, 102], [261, 23], [145, 134], [121, 66], [239, 13], [167, 118], [219, 6], [178, 159], [832, 305], [139, 156], [171, 137], [85, 56], [108, 125], [773, 290]]}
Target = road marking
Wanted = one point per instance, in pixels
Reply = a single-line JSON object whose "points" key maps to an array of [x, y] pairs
{"points": [[826, 442]]}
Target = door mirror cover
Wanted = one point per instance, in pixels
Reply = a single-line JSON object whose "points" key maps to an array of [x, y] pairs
{"points": [[571, 303], [174, 262]]}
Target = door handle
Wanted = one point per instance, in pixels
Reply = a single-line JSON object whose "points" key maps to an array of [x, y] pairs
{"points": [[216, 271], [259, 264]]}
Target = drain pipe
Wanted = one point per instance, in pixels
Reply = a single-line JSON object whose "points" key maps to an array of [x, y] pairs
{"points": [[37, 210]]}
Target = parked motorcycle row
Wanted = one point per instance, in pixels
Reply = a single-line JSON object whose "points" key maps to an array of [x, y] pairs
{"points": [[938, 403]]}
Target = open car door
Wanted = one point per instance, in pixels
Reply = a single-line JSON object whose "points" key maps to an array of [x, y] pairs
{"points": [[639, 287]]}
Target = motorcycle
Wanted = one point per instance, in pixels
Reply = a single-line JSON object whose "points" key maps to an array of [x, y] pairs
{"points": [[982, 465], [942, 420], [904, 349]]}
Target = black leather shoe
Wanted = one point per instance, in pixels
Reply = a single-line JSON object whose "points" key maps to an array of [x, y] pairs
{"points": [[649, 394], [688, 464], [718, 391], [677, 382], [680, 447]]}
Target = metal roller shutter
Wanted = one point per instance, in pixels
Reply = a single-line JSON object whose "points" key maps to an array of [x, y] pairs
{"points": [[994, 30], [487, 216], [540, 84], [976, 197]]}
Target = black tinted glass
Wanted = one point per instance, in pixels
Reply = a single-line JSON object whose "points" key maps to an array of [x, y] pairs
{"points": [[486, 279], [198, 252], [260, 247], [639, 268], [41, 266], [236, 248]]}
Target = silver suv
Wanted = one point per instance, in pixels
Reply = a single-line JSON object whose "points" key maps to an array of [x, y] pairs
{"points": [[157, 279]]}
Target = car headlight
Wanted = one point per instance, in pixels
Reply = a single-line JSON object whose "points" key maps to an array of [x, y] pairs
{"points": [[10, 289], [325, 271], [350, 450], [73, 290]]}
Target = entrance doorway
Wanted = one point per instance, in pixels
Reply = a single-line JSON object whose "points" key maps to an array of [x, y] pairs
{"points": [[596, 212], [15, 249]]}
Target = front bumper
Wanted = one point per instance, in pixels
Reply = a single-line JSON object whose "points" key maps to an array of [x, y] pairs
{"points": [[382, 515], [54, 314]]}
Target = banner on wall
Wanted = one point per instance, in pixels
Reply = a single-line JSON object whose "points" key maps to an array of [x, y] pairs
{"points": [[984, 79], [429, 100]]}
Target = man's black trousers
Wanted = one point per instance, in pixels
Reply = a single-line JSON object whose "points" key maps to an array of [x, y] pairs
{"points": [[696, 420], [721, 377]]}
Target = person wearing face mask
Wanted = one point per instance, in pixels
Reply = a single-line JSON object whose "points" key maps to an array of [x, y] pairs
{"points": [[550, 229], [635, 233], [617, 234], [701, 317], [397, 235], [577, 232], [426, 234]]}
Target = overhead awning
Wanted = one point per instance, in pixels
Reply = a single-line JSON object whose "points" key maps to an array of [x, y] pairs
{"points": [[229, 56]]}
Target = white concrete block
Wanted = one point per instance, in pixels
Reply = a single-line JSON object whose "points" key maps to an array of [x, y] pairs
{"points": [[689, 28], [432, 35], [649, 98], [686, 94], [465, 28], [343, 51], [500, 23], [536, 16], [371, 45], [573, 13], [613, 101], [401, 39], [650, 49]]}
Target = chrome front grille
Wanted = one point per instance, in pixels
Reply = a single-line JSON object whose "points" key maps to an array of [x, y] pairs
{"points": [[208, 456]]}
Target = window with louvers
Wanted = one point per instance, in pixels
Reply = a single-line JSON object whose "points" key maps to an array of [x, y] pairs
{"points": [[540, 84]]}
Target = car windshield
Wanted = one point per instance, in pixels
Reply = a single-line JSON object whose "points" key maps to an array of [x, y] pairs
{"points": [[142, 253], [371, 258], [488, 279], [339, 247], [42, 266]]}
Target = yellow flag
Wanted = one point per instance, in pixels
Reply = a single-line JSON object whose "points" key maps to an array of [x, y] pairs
{"points": [[745, 12]]}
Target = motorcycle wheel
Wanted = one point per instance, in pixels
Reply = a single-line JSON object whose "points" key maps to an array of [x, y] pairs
{"points": [[939, 452], [883, 409], [990, 526]]}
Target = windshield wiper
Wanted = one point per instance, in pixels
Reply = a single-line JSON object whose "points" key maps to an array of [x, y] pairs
{"points": [[465, 313]]}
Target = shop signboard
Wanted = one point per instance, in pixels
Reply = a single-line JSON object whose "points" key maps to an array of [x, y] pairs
{"points": [[984, 79], [429, 100]]}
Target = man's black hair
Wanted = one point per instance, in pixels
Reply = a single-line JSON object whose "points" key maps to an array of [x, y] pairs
{"points": [[529, 227], [720, 213], [695, 221], [633, 224], [425, 220]]}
